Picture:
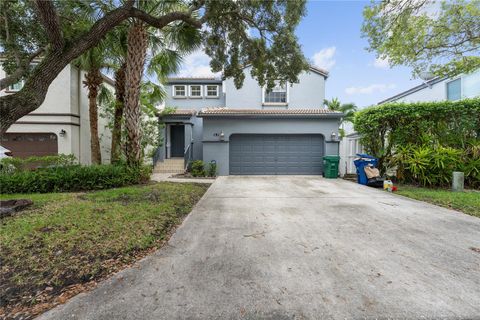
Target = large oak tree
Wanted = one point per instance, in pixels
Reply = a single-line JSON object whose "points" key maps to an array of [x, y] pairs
{"points": [[439, 37], [234, 34]]}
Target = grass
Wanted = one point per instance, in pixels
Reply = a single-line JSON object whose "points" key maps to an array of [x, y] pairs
{"points": [[72, 238], [467, 202]]}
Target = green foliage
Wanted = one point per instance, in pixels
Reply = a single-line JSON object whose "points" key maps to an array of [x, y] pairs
{"points": [[426, 140], [427, 165], [18, 164], [212, 169], [73, 178], [409, 33], [198, 168], [466, 202]]}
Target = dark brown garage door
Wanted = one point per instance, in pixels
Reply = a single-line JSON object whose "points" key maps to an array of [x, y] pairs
{"points": [[25, 145]]}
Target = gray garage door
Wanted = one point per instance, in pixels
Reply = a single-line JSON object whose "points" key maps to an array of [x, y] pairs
{"points": [[276, 154]]}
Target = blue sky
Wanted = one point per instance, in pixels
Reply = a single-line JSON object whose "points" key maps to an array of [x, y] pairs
{"points": [[330, 37]]}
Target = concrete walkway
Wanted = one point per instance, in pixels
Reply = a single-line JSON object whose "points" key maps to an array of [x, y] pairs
{"points": [[300, 248]]}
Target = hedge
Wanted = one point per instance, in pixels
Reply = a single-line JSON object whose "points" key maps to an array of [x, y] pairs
{"points": [[410, 129], [73, 178], [11, 164]]}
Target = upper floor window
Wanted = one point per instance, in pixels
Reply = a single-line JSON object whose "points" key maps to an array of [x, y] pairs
{"points": [[196, 91], [454, 89], [277, 95], [212, 91], [180, 91], [16, 86]]}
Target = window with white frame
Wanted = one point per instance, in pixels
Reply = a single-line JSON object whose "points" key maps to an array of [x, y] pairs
{"points": [[179, 91], [276, 95], [16, 86], [196, 91], [212, 91]]}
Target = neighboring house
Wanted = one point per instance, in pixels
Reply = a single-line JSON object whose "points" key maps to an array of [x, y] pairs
{"points": [[441, 89], [437, 89], [249, 130], [61, 124]]}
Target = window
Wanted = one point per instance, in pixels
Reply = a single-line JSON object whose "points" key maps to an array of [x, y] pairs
{"points": [[196, 91], [277, 95], [454, 90], [16, 86], [212, 91], [179, 91]]}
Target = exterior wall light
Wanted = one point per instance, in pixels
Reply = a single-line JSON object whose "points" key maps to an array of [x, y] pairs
{"points": [[333, 136], [62, 133], [222, 135]]}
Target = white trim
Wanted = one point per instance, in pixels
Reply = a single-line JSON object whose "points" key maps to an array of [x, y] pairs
{"points": [[174, 95], [206, 91], [190, 91]]}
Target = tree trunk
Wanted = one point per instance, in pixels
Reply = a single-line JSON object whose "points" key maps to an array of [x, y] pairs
{"points": [[93, 81], [117, 119], [136, 53]]}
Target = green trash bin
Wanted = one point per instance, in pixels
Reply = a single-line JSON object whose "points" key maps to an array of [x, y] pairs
{"points": [[330, 166]]}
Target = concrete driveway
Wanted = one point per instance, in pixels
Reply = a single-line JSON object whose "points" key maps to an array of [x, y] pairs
{"points": [[300, 248]]}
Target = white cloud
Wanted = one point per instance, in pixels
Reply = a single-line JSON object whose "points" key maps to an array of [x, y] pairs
{"points": [[196, 64], [381, 63], [373, 88], [325, 58]]}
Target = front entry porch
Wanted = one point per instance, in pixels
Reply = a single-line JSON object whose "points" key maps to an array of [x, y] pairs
{"points": [[175, 150]]}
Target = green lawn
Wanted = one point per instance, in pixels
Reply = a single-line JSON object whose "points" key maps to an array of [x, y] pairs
{"points": [[72, 238], [467, 202]]}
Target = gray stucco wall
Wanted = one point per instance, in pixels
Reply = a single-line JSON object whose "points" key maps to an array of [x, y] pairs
{"points": [[308, 93], [194, 103], [214, 149]]}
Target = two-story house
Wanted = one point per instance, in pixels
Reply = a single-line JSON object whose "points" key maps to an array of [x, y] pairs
{"points": [[249, 130], [61, 124]]}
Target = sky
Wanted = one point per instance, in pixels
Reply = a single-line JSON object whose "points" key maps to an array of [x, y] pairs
{"points": [[330, 36]]}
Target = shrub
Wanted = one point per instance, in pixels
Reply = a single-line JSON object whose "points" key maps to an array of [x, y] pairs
{"points": [[73, 178], [427, 165], [198, 168], [212, 169], [387, 127], [30, 163]]}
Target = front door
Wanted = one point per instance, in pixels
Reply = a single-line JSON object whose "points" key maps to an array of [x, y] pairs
{"points": [[177, 140]]}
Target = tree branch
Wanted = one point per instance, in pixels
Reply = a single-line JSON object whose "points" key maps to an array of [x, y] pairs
{"points": [[51, 23], [21, 70], [166, 19]]}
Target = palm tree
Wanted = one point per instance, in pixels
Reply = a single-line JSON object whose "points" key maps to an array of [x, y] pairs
{"points": [[92, 62], [348, 110], [182, 37], [136, 54]]}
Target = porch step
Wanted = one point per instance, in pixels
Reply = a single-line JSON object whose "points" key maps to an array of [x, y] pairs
{"points": [[172, 165]]}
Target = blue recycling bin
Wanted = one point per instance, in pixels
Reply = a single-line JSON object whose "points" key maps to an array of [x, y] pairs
{"points": [[360, 163]]}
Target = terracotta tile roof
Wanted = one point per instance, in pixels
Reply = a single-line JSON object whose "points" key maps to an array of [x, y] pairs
{"points": [[266, 112], [321, 71], [178, 113]]}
